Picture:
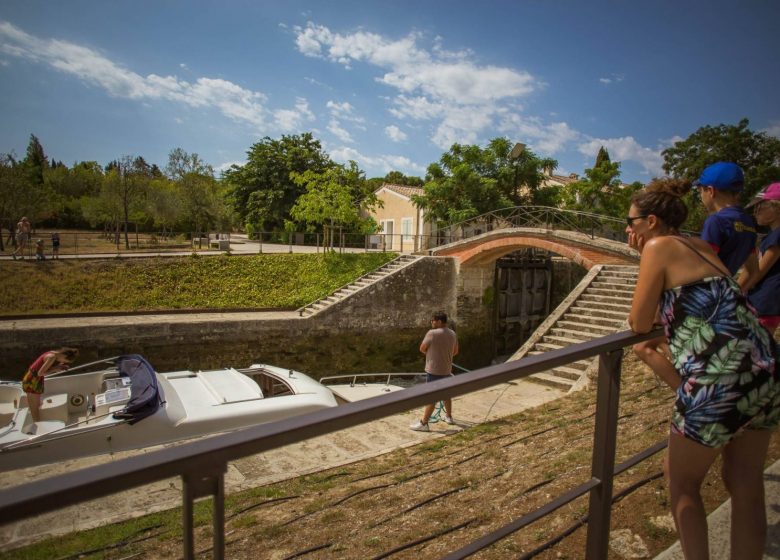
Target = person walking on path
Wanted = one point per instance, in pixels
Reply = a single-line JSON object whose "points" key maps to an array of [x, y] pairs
{"points": [[728, 229], [23, 230], [55, 245], [440, 345], [45, 364], [723, 369], [763, 287]]}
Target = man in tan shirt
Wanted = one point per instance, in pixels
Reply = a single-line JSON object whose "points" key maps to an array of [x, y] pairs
{"points": [[440, 345]]}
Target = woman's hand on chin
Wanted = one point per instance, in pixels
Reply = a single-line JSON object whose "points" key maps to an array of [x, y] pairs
{"points": [[636, 241]]}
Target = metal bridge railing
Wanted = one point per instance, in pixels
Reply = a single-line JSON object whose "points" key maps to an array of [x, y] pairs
{"points": [[202, 464]]}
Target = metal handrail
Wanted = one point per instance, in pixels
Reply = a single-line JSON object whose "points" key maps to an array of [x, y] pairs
{"points": [[202, 463]]}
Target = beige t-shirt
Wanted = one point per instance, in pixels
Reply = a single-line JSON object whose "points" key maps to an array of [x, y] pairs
{"points": [[441, 348]]}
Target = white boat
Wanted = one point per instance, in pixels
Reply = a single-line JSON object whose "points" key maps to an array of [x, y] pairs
{"points": [[128, 405], [349, 388]]}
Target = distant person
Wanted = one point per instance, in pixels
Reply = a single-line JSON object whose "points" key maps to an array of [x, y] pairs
{"points": [[23, 229], [47, 363], [39, 250], [764, 286], [440, 345], [729, 230], [55, 245], [722, 369]]}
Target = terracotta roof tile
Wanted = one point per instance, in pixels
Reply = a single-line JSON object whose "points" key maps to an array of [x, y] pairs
{"points": [[404, 190]]}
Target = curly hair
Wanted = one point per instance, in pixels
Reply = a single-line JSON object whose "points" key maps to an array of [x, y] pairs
{"points": [[663, 198]]}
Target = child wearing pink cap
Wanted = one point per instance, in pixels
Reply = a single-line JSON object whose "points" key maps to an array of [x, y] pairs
{"points": [[764, 286]]}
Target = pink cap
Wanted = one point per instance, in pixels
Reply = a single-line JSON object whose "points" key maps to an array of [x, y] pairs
{"points": [[771, 192]]}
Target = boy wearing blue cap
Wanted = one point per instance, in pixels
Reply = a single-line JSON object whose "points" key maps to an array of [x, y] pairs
{"points": [[729, 230]]}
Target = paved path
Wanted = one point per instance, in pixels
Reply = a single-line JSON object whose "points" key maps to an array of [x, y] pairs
{"points": [[239, 244], [332, 450]]}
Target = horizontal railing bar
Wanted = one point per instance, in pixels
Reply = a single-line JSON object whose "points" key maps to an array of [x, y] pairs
{"points": [[209, 454], [483, 542], [641, 456]]}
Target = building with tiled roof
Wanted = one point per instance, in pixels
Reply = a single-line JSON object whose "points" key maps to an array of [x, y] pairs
{"points": [[403, 226]]}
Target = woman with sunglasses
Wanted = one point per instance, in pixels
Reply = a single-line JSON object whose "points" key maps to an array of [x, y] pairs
{"points": [[764, 285], [721, 365]]}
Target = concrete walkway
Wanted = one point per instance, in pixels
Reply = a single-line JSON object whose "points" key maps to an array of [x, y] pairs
{"points": [[340, 448], [240, 244]]}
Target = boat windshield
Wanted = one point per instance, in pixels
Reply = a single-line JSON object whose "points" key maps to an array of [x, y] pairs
{"points": [[145, 394]]}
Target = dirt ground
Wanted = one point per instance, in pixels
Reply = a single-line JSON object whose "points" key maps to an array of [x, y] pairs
{"points": [[431, 499]]}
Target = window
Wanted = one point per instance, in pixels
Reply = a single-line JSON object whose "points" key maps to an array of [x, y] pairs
{"points": [[406, 228]]}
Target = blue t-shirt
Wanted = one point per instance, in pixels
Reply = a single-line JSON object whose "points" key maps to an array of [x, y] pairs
{"points": [[765, 296], [732, 233]]}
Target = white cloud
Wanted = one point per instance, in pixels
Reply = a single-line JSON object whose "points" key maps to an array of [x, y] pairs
{"points": [[334, 127], [222, 167], [773, 129], [544, 138], [381, 164], [292, 119], [613, 78], [233, 101], [343, 111], [395, 134], [432, 84], [625, 149]]}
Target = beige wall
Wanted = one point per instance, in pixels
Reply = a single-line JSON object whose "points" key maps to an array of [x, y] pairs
{"points": [[396, 208]]}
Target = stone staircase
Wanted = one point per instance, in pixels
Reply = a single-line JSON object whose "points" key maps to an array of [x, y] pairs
{"points": [[599, 307], [366, 280]]}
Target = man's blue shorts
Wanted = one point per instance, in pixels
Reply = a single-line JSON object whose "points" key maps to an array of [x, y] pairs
{"points": [[430, 377]]}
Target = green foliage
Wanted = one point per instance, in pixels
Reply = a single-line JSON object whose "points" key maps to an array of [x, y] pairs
{"points": [[469, 181], [335, 196], [756, 152], [289, 280], [262, 191], [600, 191]]}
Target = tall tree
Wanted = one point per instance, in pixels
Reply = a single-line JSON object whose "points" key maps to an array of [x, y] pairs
{"points": [[334, 197], [261, 191], [180, 163], [756, 152], [600, 191], [601, 157], [129, 179], [35, 161]]}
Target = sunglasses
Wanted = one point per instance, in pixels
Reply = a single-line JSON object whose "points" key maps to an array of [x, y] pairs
{"points": [[630, 220]]}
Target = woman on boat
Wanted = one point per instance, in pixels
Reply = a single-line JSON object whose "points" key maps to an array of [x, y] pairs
{"points": [[722, 368], [45, 364]]}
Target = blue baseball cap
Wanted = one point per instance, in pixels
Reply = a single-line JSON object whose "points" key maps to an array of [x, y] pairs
{"points": [[723, 176]]}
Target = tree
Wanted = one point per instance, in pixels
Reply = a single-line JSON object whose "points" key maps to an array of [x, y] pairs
{"points": [[334, 197], [261, 191], [469, 181], [180, 163], [601, 191], [35, 161], [128, 180], [756, 152], [398, 178], [601, 157]]}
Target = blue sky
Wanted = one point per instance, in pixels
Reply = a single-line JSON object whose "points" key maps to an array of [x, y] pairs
{"points": [[390, 85]]}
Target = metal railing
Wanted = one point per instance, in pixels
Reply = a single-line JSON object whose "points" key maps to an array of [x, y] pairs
{"points": [[202, 464]]}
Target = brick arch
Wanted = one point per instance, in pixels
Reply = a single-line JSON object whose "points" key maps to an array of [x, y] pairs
{"points": [[488, 248]]}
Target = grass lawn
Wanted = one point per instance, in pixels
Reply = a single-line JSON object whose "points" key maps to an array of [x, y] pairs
{"points": [[192, 282]]}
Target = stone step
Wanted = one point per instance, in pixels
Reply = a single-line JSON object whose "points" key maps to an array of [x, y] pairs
{"points": [[581, 365], [611, 292], [619, 286], [547, 346], [551, 380], [587, 296], [612, 309], [562, 340], [578, 334], [582, 325], [593, 316], [568, 372]]}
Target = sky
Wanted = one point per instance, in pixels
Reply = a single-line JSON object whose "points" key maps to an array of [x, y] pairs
{"points": [[390, 85]]}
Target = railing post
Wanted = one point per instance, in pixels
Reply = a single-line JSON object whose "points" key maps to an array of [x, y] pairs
{"points": [[603, 465], [199, 486]]}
